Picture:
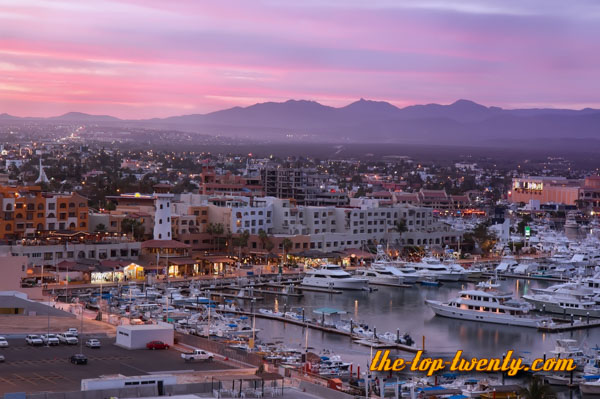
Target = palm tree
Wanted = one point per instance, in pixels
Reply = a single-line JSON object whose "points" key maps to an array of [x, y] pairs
{"points": [[100, 227], [537, 390], [286, 244]]}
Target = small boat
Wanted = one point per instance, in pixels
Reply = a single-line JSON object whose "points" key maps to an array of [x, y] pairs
{"points": [[591, 386], [269, 312]]}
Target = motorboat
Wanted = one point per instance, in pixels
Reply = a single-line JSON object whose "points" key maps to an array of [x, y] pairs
{"points": [[590, 387], [382, 275], [488, 307], [441, 271], [566, 302], [333, 277]]}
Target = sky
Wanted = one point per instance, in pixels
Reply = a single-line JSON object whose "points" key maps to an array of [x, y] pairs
{"points": [[156, 58]]}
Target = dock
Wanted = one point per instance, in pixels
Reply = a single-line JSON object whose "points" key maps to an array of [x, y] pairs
{"points": [[568, 326], [320, 327], [386, 345], [278, 293], [236, 296], [526, 277]]}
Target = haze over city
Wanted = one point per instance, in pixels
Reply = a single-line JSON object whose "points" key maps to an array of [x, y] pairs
{"points": [[144, 59]]}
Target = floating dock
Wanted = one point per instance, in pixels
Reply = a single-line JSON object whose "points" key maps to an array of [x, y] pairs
{"points": [[568, 326]]}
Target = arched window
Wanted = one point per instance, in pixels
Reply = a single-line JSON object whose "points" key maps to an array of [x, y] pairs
{"points": [[71, 205], [51, 215], [9, 207], [8, 227], [19, 216], [72, 226], [63, 205], [40, 207]]}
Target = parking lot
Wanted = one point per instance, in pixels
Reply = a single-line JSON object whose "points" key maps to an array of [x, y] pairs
{"points": [[39, 369]]}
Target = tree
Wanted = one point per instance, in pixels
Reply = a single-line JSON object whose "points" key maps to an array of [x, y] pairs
{"points": [[215, 230], [481, 237], [525, 221], [286, 244], [100, 227], [537, 390], [133, 227], [241, 241]]}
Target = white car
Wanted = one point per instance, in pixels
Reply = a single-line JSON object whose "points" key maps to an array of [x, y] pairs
{"points": [[3, 342], [92, 343], [34, 340], [73, 331], [50, 339], [68, 338]]}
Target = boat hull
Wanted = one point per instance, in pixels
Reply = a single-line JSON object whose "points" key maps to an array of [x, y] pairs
{"points": [[590, 388], [441, 309]]}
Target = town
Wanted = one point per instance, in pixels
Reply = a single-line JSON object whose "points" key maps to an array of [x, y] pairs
{"points": [[186, 249]]}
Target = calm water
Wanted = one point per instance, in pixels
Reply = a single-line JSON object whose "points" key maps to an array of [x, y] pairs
{"points": [[391, 308]]}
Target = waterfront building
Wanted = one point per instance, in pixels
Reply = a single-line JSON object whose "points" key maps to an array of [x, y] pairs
{"points": [[27, 212], [545, 189]]}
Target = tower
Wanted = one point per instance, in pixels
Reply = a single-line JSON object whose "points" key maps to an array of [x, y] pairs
{"points": [[42, 177], [162, 214]]}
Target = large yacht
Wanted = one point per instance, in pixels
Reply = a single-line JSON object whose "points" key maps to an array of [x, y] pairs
{"points": [[439, 270], [333, 276], [565, 301], [488, 307], [382, 275], [398, 268]]}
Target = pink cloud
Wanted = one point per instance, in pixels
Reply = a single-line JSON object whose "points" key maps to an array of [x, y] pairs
{"points": [[135, 58]]}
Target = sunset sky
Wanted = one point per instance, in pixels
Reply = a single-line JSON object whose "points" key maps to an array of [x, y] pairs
{"points": [[156, 58]]}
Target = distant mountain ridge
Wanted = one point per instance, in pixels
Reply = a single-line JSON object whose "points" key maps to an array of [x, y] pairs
{"points": [[463, 121]]}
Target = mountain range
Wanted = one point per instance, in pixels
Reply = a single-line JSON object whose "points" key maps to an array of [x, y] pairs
{"points": [[458, 123]]}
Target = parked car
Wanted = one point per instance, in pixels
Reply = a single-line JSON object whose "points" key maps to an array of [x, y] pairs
{"points": [[157, 345], [68, 338], [197, 354], [92, 343], [73, 331], [79, 358], [3, 342], [50, 339], [34, 340], [2, 359]]}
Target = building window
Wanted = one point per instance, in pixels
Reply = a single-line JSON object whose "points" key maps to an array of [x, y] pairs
{"points": [[9, 207]]}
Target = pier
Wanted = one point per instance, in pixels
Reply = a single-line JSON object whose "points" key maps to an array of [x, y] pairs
{"points": [[566, 325], [332, 330]]}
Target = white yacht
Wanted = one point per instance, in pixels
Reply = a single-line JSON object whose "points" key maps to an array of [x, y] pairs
{"points": [[569, 349], [565, 301], [408, 274], [591, 387], [488, 307], [438, 269], [333, 276], [382, 275]]}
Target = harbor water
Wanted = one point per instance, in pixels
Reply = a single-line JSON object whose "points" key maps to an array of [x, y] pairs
{"points": [[393, 308]]}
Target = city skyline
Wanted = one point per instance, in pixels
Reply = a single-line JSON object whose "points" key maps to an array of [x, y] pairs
{"points": [[135, 59]]}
